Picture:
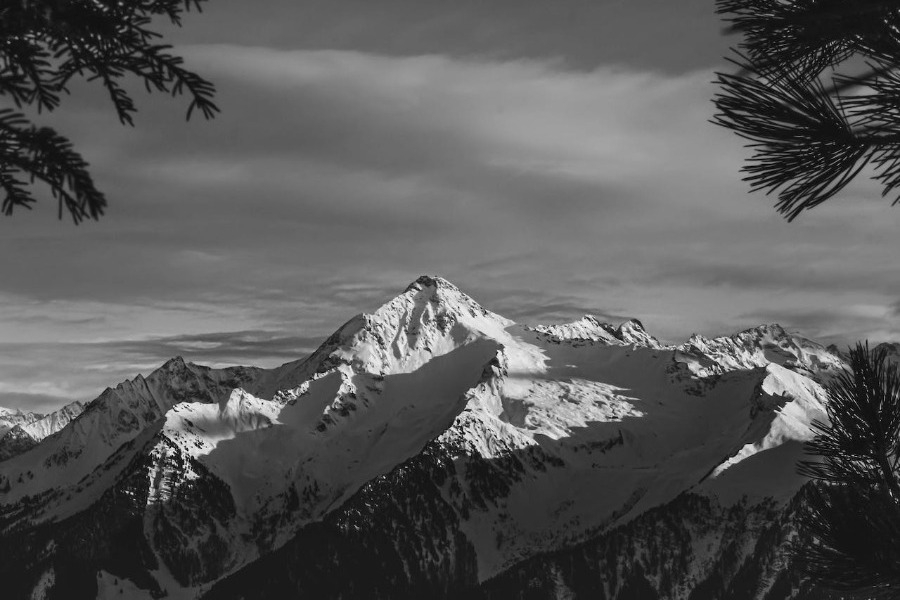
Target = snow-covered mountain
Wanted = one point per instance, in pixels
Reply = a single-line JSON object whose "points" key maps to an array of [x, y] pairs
{"points": [[22, 430], [431, 449]]}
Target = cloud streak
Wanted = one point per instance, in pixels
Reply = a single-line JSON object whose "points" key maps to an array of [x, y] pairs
{"points": [[582, 34]]}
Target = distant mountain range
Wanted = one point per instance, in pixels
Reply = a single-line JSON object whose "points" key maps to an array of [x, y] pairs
{"points": [[22, 430], [431, 449]]}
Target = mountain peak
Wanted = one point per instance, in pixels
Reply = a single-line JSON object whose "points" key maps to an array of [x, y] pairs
{"points": [[773, 329], [632, 324], [430, 318], [430, 281], [173, 364], [435, 295]]}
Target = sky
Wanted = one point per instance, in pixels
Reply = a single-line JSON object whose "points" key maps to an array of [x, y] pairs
{"points": [[551, 158]]}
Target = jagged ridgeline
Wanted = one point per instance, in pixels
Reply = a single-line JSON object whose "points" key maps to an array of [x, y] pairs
{"points": [[431, 449]]}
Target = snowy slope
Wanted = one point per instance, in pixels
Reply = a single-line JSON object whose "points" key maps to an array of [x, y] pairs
{"points": [[624, 436]]}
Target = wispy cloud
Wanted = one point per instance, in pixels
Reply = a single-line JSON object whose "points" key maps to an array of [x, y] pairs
{"points": [[841, 326]]}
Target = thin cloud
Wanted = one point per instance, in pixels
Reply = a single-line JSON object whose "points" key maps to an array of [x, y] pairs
{"points": [[38, 403], [80, 371], [235, 347]]}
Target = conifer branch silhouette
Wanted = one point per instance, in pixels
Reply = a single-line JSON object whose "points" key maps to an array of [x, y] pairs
{"points": [[44, 46], [812, 127], [853, 513]]}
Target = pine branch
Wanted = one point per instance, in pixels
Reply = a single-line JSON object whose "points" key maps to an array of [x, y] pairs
{"points": [[805, 37], [812, 129], [854, 513], [855, 549], [804, 147]]}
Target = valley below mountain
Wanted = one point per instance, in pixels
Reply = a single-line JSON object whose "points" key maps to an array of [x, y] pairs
{"points": [[430, 449]]}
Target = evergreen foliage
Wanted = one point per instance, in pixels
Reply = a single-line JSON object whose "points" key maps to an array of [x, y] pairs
{"points": [[853, 514], [812, 127], [44, 46]]}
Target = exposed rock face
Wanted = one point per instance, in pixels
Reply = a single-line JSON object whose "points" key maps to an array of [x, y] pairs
{"points": [[432, 449]]}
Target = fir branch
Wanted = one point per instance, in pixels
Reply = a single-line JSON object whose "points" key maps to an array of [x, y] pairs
{"points": [[44, 45], [42, 154]]}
